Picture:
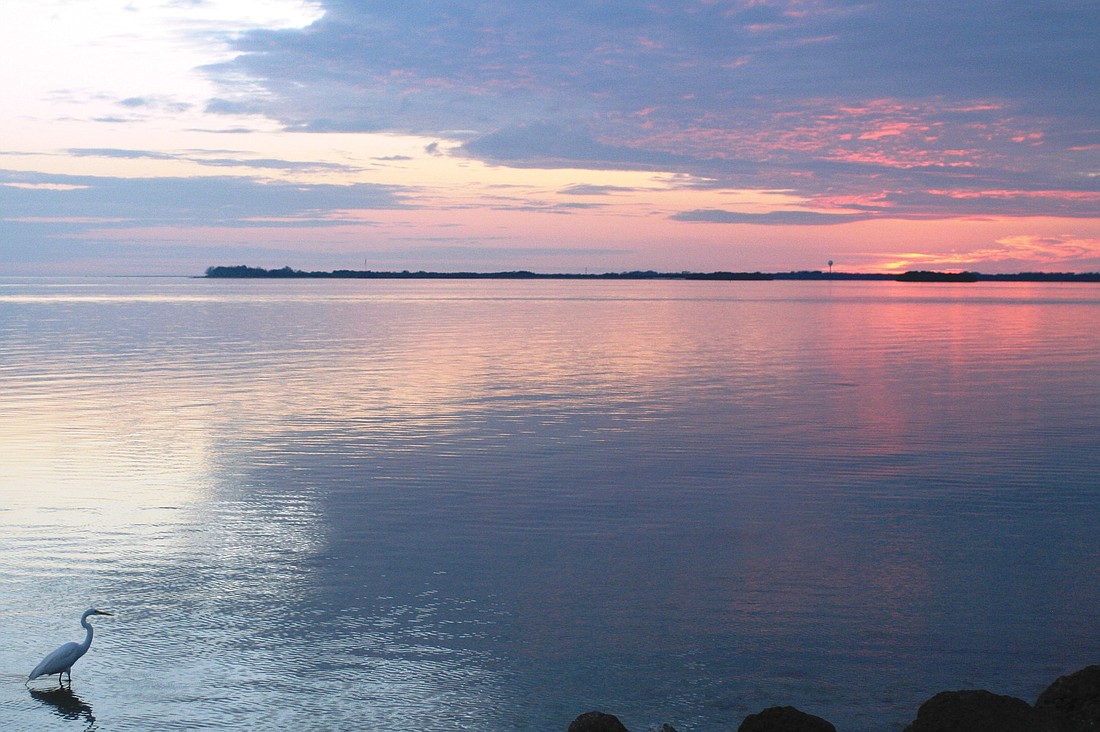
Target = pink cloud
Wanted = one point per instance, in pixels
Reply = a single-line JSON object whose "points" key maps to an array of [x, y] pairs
{"points": [[1022, 251], [883, 132], [893, 129], [1010, 194]]}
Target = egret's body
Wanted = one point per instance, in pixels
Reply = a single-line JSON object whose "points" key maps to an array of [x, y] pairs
{"points": [[62, 660]]}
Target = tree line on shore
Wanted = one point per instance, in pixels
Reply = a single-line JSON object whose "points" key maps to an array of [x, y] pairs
{"points": [[246, 272]]}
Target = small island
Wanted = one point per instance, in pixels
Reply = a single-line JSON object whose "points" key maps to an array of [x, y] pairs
{"points": [[242, 271], [921, 276]]}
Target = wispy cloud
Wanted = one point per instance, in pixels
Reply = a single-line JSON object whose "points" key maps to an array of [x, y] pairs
{"points": [[771, 218], [197, 201], [238, 161], [1022, 252], [45, 186], [104, 152], [588, 189]]}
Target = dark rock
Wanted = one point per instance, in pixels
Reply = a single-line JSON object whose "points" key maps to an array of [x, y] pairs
{"points": [[974, 711], [784, 719], [1072, 703], [597, 722]]}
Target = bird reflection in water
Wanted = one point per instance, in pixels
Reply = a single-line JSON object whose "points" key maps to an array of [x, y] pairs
{"points": [[67, 705]]}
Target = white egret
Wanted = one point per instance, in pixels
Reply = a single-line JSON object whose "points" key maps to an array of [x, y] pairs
{"points": [[62, 660]]}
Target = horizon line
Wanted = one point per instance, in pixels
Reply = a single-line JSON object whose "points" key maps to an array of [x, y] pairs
{"points": [[286, 272]]}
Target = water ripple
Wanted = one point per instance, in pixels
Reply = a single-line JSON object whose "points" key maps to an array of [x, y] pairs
{"points": [[444, 506]]}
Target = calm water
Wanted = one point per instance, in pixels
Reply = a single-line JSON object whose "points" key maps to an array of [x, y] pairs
{"points": [[496, 505]]}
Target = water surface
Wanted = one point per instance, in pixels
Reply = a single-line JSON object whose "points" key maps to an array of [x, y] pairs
{"points": [[493, 505]]}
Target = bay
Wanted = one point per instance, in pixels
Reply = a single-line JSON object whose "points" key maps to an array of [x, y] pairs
{"points": [[495, 505]]}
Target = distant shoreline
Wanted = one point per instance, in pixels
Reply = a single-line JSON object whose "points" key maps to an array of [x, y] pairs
{"points": [[246, 272]]}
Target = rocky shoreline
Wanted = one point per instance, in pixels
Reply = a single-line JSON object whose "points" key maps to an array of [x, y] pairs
{"points": [[1070, 704]]}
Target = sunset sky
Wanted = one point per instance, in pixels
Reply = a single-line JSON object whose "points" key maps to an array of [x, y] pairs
{"points": [[165, 136]]}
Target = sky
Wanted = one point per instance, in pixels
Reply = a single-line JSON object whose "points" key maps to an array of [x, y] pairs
{"points": [[166, 136]]}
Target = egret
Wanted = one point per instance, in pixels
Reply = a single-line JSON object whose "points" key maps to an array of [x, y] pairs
{"points": [[62, 660]]}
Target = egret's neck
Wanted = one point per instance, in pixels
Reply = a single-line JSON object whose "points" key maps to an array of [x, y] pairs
{"points": [[87, 638]]}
